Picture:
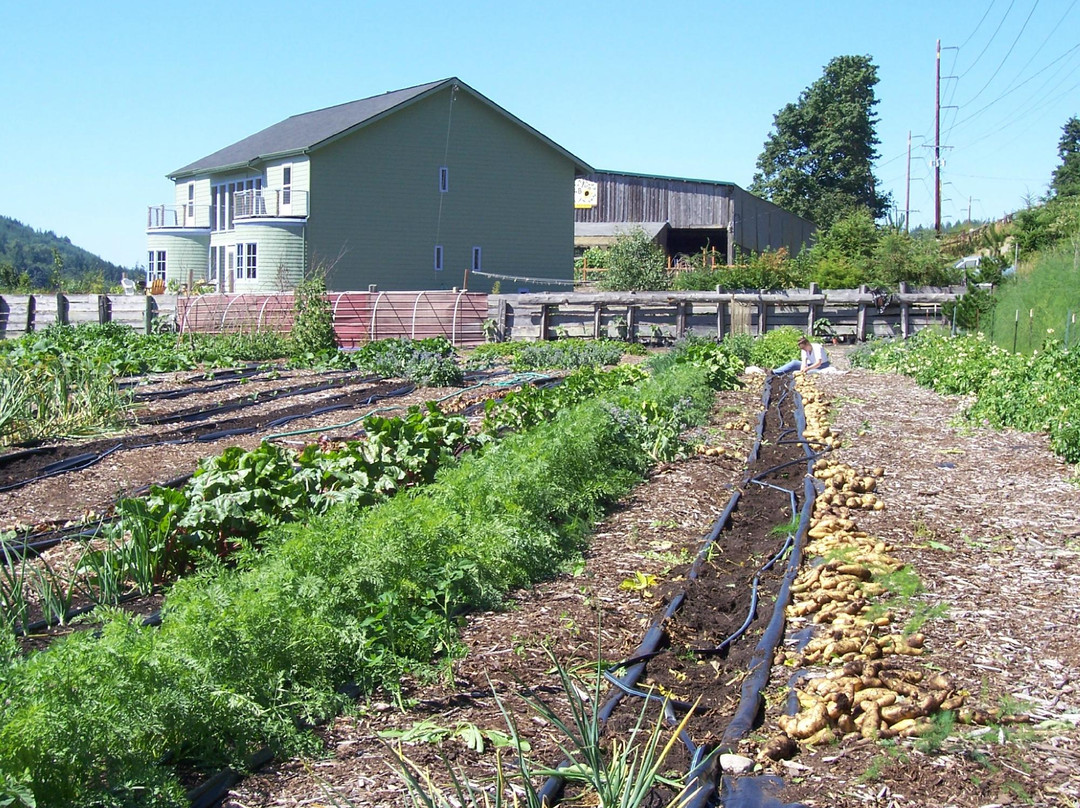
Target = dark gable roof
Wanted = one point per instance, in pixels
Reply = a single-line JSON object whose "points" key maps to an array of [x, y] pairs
{"points": [[306, 131]]}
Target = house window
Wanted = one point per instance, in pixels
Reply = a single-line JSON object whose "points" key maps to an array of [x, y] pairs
{"points": [[476, 258], [155, 265], [191, 202], [438, 258], [217, 265], [246, 261], [444, 179], [223, 202], [286, 185], [217, 208]]}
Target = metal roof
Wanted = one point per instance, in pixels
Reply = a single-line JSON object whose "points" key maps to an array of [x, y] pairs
{"points": [[663, 177], [309, 130]]}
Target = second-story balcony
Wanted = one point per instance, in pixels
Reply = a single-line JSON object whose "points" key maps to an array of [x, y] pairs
{"points": [[270, 203], [172, 217]]}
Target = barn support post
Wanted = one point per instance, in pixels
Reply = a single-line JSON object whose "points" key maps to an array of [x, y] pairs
{"points": [[860, 318], [905, 313]]}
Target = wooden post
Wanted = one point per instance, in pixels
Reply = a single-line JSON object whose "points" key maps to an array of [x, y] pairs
{"points": [[501, 323], [597, 320], [31, 312], [631, 323], [680, 319], [543, 322], [762, 317], [860, 318], [61, 308], [148, 314], [103, 309], [812, 307], [905, 313]]}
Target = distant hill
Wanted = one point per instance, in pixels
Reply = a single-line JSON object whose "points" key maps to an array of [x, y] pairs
{"points": [[28, 263]]}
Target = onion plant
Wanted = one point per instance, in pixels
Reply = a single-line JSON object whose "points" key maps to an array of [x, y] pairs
{"points": [[619, 774]]}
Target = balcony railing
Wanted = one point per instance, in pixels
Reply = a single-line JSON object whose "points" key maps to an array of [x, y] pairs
{"points": [[270, 203], [173, 216]]}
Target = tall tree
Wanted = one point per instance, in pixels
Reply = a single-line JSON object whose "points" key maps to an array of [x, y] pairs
{"points": [[1066, 179], [817, 161]]}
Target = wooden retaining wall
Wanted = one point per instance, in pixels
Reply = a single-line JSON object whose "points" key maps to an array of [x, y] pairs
{"points": [[664, 316], [21, 314]]}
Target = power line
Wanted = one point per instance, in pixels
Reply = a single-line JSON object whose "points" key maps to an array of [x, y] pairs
{"points": [[1007, 53], [1032, 77], [979, 23], [993, 36]]}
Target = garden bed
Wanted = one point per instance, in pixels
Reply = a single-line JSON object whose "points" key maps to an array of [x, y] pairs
{"points": [[988, 521]]}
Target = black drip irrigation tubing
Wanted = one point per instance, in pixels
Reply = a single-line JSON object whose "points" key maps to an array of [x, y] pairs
{"points": [[76, 463], [198, 384], [201, 414], [747, 792], [703, 773], [704, 777], [35, 544], [85, 461]]}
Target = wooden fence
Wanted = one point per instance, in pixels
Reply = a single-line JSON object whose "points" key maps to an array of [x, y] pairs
{"points": [[663, 316], [21, 314]]}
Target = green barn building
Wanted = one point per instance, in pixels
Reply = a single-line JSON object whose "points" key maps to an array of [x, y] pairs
{"points": [[406, 190]]}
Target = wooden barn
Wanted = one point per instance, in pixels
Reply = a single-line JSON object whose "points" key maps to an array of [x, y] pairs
{"points": [[684, 216]]}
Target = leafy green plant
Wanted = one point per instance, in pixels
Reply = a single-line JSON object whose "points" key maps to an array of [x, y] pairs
{"points": [[1029, 393], [427, 362], [312, 334], [635, 262]]}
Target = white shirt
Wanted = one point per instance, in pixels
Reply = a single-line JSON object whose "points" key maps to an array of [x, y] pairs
{"points": [[816, 355]]}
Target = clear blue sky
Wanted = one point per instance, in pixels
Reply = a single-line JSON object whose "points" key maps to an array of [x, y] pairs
{"points": [[100, 100]]}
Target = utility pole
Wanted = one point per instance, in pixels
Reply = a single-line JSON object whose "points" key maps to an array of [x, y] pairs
{"points": [[937, 143], [907, 196]]}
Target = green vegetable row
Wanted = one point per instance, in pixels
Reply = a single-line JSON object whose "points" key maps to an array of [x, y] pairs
{"points": [[247, 653], [1036, 393]]}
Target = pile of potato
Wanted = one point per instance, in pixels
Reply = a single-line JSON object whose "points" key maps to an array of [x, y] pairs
{"points": [[857, 681], [818, 433]]}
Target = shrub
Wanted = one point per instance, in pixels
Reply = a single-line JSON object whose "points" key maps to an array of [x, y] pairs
{"points": [[635, 263]]}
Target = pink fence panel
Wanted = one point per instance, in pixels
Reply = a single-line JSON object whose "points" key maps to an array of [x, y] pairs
{"points": [[221, 314], [359, 317]]}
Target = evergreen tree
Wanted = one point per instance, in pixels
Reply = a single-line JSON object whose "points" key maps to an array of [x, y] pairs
{"points": [[1066, 179], [817, 162]]}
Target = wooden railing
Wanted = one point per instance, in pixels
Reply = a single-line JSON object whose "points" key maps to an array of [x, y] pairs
{"points": [[662, 316]]}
